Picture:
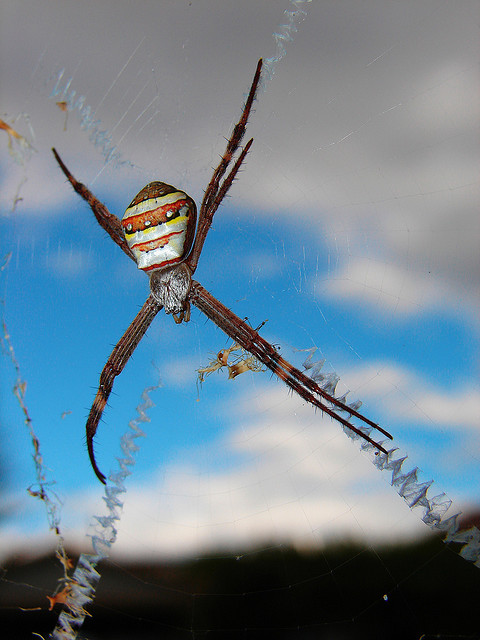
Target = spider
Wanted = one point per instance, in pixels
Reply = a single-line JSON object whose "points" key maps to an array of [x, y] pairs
{"points": [[158, 233]]}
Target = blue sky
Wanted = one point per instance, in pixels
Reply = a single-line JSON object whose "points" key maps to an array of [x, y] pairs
{"points": [[352, 228]]}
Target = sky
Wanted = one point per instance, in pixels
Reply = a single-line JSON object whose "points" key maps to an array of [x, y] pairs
{"points": [[353, 228]]}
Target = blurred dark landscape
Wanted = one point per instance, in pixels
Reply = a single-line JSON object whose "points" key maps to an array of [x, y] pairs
{"points": [[423, 590]]}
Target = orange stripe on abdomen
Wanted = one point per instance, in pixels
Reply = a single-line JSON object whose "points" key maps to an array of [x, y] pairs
{"points": [[150, 245]]}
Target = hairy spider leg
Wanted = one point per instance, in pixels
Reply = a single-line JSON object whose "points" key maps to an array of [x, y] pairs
{"points": [[105, 219], [209, 213], [215, 193], [114, 367], [252, 342], [233, 142]]}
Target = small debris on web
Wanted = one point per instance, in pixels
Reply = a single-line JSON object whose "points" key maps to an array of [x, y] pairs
{"points": [[63, 106], [236, 365], [18, 146]]}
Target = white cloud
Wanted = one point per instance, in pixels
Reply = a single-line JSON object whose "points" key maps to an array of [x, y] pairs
{"points": [[293, 488], [404, 393], [296, 478], [286, 475], [388, 286], [460, 409]]}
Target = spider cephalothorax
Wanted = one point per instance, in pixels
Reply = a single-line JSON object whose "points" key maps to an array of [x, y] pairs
{"points": [[170, 287], [158, 233]]}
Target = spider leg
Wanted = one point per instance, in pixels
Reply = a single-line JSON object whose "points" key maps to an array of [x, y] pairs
{"points": [[114, 366], [105, 219], [215, 191], [252, 342], [209, 213]]}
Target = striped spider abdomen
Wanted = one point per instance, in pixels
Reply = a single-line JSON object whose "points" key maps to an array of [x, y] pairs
{"points": [[159, 226]]}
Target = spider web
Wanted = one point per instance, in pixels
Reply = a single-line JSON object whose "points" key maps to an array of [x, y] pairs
{"points": [[351, 231]]}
